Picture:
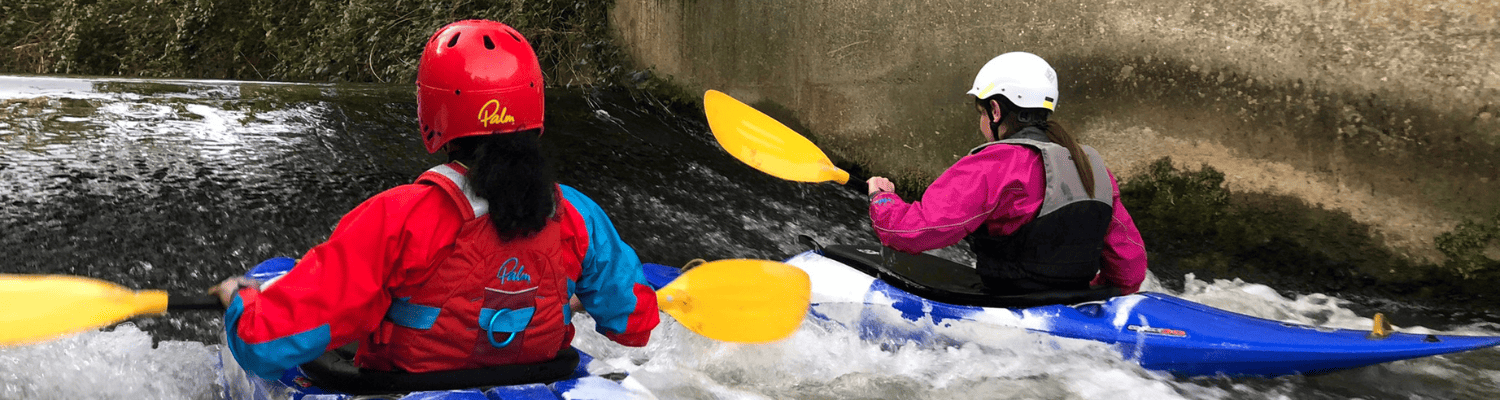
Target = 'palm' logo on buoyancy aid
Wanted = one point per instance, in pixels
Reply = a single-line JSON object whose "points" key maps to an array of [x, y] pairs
{"points": [[492, 114], [512, 270]]}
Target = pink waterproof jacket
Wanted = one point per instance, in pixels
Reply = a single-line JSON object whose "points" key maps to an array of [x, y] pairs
{"points": [[1000, 188]]}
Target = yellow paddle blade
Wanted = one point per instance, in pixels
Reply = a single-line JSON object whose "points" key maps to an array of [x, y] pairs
{"points": [[35, 308], [745, 301], [765, 144]]}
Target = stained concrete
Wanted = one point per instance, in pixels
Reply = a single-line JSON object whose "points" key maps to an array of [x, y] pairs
{"points": [[1384, 109]]}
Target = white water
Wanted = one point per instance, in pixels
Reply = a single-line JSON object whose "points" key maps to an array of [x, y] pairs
{"points": [[117, 364], [818, 362]]}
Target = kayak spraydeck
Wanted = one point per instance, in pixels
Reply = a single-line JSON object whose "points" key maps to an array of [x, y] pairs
{"points": [[871, 289], [296, 384]]}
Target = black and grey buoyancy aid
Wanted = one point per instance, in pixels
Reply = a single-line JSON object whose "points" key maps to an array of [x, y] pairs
{"points": [[1061, 248]]}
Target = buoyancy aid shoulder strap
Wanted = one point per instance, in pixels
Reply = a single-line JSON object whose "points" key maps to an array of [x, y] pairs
{"points": [[450, 177], [1103, 190], [1064, 183]]}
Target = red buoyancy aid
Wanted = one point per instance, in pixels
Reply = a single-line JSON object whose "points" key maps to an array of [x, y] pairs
{"points": [[484, 301]]}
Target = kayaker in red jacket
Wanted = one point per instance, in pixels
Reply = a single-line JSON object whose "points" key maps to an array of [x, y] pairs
{"points": [[471, 266], [1040, 211]]}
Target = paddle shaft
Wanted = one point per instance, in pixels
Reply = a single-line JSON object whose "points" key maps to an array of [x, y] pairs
{"points": [[190, 303], [858, 182]]}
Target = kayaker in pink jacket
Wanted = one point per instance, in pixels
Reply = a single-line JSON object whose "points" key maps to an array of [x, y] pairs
{"points": [[1040, 211]]}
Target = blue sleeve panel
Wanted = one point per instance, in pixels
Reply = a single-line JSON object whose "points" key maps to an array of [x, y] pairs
{"points": [[611, 269], [268, 360]]}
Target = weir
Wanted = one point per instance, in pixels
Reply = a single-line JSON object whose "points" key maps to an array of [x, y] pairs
{"points": [[175, 184], [1385, 110]]}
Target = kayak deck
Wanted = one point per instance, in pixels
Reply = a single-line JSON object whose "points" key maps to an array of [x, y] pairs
{"points": [[935, 278]]}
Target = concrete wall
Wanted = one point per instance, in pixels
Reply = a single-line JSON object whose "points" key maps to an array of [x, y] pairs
{"points": [[1384, 109]]}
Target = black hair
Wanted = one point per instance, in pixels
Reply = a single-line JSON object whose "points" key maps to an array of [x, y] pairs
{"points": [[1015, 118], [511, 173]]}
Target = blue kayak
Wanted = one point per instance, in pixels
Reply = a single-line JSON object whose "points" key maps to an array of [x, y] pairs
{"points": [[569, 377], [891, 296]]}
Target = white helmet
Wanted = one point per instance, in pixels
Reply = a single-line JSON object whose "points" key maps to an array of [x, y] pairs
{"points": [[1022, 77]]}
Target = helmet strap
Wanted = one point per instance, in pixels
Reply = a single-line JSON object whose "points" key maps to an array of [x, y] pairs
{"points": [[1015, 118]]}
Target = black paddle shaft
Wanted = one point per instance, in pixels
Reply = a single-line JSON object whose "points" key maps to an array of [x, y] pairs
{"points": [[857, 182], [201, 302]]}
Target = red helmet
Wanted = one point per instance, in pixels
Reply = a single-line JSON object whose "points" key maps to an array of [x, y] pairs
{"points": [[477, 77]]}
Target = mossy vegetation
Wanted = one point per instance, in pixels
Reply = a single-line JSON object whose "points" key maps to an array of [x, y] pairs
{"points": [[1193, 224], [345, 41], [1473, 248]]}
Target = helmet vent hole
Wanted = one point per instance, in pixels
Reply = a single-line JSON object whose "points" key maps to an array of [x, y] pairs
{"points": [[457, 92], [488, 45], [454, 41]]}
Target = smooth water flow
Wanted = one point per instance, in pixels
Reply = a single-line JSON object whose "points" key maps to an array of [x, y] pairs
{"points": [[178, 184]]}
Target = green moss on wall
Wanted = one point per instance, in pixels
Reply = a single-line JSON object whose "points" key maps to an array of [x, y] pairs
{"points": [[349, 41], [1473, 248]]}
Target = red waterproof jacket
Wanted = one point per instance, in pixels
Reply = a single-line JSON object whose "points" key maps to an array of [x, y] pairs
{"points": [[419, 277]]}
